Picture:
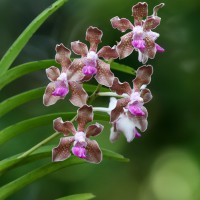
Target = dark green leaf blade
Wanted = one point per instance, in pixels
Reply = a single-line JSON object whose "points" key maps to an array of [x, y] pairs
{"points": [[17, 100], [23, 126], [122, 68], [36, 174], [27, 68], [86, 196], [23, 69], [45, 152], [21, 41]]}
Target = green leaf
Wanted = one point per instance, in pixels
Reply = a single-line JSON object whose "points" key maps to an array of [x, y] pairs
{"points": [[38, 173], [91, 88], [26, 68], [23, 69], [23, 126], [45, 152], [17, 100], [15, 161], [85, 196], [122, 68], [21, 41]]}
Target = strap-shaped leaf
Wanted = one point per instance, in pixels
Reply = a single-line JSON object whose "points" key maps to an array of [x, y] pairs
{"points": [[45, 152], [122, 68], [27, 68], [23, 126], [86, 196], [24, 69], [17, 100], [38, 173], [12, 187], [14, 161], [21, 41], [91, 88]]}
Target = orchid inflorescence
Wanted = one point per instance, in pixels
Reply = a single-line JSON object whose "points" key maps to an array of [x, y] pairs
{"points": [[127, 111]]}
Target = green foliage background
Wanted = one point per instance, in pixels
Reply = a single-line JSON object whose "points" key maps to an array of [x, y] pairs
{"points": [[165, 162]]}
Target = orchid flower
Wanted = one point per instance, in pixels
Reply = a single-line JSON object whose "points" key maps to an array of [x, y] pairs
{"points": [[141, 38], [128, 113], [62, 81], [89, 64], [83, 147]]}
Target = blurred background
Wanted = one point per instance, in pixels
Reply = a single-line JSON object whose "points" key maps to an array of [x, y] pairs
{"points": [[165, 161]]}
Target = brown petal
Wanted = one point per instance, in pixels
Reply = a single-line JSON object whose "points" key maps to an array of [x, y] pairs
{"points": [[48, 98], [52, 73], [85, 115], [156, 8], [122, 24], [140, 121], [79, 48], [79, 95], [151, 23], [74, 72], [146, 95], [62, 151], [93, 36], [124, 47], [94, 130], [104, 76], [150, 47], [139, 11], [63, 127], [121, 88], [94, 154], [63, 56], [119, 109], [143, 76], [107, 53]]}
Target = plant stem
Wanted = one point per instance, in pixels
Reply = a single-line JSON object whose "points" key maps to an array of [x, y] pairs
{"points": [[38, 145], [94, 95], [101, 109], [111, 94]]}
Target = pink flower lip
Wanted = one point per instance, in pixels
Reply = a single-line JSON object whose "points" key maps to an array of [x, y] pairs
{"points": [[60, 91], [135, 110], [89, 70], [139, 44], [79, 151]]}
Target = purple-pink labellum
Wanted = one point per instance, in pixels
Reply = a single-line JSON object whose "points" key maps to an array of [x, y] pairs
{"points": [[89, 70]]}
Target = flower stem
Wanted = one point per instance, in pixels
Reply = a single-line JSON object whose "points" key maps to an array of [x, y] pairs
{"points": [[111, 94], [101, 109], [94, 95], [38, 145]]}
